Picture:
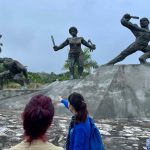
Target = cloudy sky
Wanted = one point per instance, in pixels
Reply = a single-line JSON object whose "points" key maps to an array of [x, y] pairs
{"points": [[27, 26]]}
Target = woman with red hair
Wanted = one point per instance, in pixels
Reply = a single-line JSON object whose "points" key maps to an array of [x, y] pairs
{"points": [[37, 118]]}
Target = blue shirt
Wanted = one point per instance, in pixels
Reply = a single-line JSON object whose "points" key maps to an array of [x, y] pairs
{"points": [[79, 134]]}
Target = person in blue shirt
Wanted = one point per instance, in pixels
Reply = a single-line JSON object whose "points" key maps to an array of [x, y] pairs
{"points": [[148, 144], [79, 130]]}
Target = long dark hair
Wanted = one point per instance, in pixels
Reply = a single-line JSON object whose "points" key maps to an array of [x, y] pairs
{"points": [[78, 102]]}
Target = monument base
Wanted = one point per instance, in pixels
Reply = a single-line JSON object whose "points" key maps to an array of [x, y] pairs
{"points": [[119, 91], [111, 92]]}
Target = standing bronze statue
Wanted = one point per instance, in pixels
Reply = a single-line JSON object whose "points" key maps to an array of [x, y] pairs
{"points": [[75, 55], [14, 70], [142, 35]]}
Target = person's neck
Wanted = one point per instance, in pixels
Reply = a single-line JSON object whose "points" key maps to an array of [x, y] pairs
{"points": [[42, 138], [74, 36], [146, 27]]}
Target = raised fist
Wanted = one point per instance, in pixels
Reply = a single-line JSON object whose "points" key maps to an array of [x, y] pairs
{"points": [[55, 48], [93, 46], [127, 16]]}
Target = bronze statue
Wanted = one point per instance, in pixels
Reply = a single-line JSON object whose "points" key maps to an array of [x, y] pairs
{"points": [[1, 44], [142, 35], [14, 70], [75, 55]]}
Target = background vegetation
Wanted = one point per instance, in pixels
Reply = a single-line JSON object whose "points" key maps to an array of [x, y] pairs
{"points": [[40, 78]]}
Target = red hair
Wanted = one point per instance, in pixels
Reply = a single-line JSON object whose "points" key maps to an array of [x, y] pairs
{"points": [[37, 117]]}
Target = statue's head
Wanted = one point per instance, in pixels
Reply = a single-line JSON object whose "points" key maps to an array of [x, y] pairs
{"points": [[144, 22], [73, 31], [0, 35]]}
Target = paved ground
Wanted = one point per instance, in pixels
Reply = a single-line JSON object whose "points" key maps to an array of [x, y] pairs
{"points": [[117, 135], [111, 92]]}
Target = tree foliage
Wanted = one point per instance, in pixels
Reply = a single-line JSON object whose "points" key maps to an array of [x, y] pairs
{"points": [[1, 68]]}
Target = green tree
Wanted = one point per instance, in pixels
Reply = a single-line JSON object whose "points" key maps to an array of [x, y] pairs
{"points": [[1, 68], [89, 64]]}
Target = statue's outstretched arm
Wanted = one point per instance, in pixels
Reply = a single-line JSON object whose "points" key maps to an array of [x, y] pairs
{"points": [[65, 43], [125, 21], [85, 43], [25, 73], [21, 67]]}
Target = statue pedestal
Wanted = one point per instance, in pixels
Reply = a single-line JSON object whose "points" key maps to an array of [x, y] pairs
{"points": [[111, 92], [119, 91], [4, 94]]}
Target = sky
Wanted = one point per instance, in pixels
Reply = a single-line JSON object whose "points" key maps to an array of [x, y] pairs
{"points": [[27, 26]]}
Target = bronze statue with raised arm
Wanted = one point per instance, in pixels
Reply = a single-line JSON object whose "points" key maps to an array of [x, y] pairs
{"points": [[75, 55], [142, 38]]}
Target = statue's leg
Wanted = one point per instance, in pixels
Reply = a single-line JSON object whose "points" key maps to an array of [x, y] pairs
{"points": [[143, 58], [80, 64], [128, 51], [19, 79], [4, 76], [71, 61]]}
